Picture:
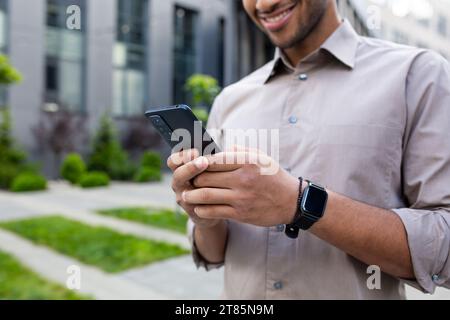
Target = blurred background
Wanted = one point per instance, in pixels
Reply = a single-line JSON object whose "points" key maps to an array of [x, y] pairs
{"points": [[77, 157]]}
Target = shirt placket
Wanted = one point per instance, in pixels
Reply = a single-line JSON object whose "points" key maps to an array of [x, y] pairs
{"points": [[278, 245]]}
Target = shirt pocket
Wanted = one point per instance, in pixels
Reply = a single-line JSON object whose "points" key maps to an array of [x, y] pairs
{"points": [[359, 161]]}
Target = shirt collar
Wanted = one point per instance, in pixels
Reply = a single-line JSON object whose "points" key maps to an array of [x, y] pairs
{"points": [[342, 45]]}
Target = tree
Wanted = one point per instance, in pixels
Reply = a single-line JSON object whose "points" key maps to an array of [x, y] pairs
{"points": [[8, 74], [203, 90]]}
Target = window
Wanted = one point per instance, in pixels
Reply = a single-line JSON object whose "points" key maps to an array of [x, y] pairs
{"points": [[65, 57], [130, 55], [221, 55], [442, 26], [3, 44], [400, 37], [3, 26], [185, 51]]}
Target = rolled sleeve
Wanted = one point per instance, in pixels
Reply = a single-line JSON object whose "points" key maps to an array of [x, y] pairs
{"points": [[199, 261], [426, 171], [429, 243]]}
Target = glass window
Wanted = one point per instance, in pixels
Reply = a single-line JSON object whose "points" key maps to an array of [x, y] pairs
{"points": [[129, 58], [442, 26], [3, 26], [3, 44], [221, 55], [65, 57], [185, 51]]}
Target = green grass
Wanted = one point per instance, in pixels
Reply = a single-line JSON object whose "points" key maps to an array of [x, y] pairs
{"points": [[98, 246], [161, 218], [19, 283]]}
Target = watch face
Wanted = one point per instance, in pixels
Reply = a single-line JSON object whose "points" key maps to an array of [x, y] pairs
{"points": [[315, 201]]}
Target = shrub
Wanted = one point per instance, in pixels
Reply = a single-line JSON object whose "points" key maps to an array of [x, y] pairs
{"points": [[107, 155], [8, 172], [151, 160], [147, 174], [12, 160], [94, 179], [28, 182], [73, 168]]}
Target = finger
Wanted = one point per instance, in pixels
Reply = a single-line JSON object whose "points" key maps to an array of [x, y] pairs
{"points": [[238, 148], [209, 196], [178, 159], [215, 212], [221, 180], [185, 173], [230, 161]]}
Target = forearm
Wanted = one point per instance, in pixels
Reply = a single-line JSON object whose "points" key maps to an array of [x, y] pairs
{"points": [[372, 235], [211, 242]]}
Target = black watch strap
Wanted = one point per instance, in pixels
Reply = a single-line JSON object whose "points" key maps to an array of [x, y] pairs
{"points": [[292, 230]]}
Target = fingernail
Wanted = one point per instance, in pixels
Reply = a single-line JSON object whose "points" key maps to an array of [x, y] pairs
{"points": [[183, 196], [201, 163]]}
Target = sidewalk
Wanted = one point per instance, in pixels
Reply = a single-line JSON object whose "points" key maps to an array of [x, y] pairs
{"points": [[172, 279]]}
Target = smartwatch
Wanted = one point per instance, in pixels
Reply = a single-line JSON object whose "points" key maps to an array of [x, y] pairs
{"points": [[311, 208]]}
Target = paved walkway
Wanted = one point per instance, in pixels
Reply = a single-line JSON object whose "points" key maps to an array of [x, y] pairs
{"points": [[175, 279]]}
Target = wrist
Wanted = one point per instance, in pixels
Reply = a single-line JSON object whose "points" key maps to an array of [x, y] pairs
{"points": [[209, 225]]}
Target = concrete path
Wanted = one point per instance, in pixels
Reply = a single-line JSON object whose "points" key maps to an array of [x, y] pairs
{"points": [[175, 278]]}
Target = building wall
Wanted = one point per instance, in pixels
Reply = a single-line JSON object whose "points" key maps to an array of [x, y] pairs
{"points": [[245, 49], [27, 50], [412, 31]]}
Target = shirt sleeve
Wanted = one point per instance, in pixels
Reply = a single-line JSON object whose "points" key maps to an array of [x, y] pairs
{"points": [[213, 126], [426, 171]]}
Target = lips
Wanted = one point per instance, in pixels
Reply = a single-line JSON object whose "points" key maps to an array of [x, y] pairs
{"points": [[278, 19]]}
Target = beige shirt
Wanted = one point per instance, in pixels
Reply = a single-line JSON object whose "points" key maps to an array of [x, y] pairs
{"points": [[368, 119]]}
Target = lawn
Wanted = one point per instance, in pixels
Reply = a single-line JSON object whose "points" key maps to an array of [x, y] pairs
{"points": [[98, 246], [161, 218], [19, 283]]}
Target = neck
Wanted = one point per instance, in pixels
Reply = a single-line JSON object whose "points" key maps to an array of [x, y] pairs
{"points": [[329, 23]]}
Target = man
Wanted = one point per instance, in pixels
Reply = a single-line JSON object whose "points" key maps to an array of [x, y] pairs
{"points": [[368, 119]]}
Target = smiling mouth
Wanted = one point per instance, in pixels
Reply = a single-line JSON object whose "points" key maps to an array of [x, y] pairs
{"points": [[278, 19]]}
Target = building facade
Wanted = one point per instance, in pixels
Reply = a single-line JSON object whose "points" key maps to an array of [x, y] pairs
{"points": [[424, 24], [120, 57]]}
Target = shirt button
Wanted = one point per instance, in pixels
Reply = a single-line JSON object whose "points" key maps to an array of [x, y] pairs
{"points": [[278, 285], [293, 119], [435, 278], [303, 77], [280, 227]]}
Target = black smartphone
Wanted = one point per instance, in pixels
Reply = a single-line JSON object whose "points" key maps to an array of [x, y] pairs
{"points": [[181, 129]]}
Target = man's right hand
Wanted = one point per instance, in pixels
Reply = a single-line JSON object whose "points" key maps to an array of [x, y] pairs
{"points": [[186, 165]]}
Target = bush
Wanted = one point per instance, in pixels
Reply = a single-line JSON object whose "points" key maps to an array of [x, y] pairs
{"points": [[12, 160], [73, 168], [8, 172], [94, 179], [28, 182], [151, 160], [107, 155], [147, 174]]}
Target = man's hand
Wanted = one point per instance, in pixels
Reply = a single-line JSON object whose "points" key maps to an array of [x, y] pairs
{"points": [[237, 190], [186, 165]]}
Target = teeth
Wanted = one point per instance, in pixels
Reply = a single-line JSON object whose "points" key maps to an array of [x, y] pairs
{"points": [[278, 17]]}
